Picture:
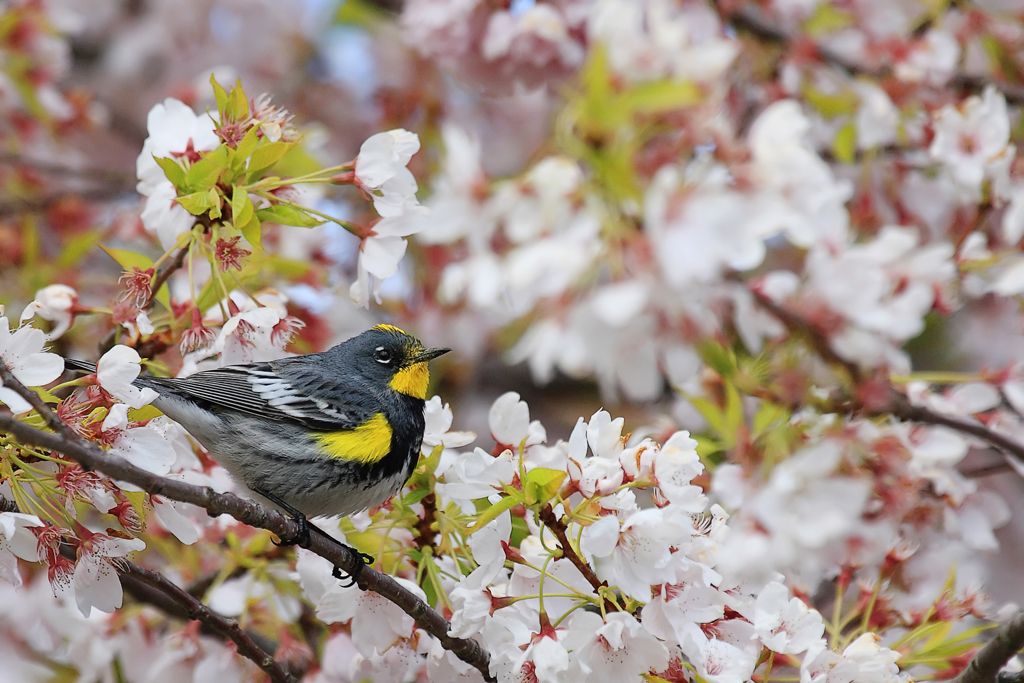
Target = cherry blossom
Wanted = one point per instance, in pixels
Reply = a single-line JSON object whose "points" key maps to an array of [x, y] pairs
{"points": [[726, 653], [509, 420], [380, 169], [21, 351], [55, 304], [95, 582], [16, 540], [178, 132], [973, 143], [778, 242], [438, 432], [115, 372], [381, 251], [785, 625], [376, 623], [142, 445], [865, 659], [637, 551], [615, 648]]}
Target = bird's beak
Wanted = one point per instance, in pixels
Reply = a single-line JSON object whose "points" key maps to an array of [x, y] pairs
{"points": [[429, 354]]}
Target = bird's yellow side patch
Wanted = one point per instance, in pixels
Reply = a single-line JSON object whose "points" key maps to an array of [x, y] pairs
{"points": [[412, 380], [368, 443], [384, 327]]}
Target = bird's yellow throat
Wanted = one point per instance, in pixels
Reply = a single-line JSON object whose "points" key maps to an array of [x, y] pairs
{"points": [[412, 380]]}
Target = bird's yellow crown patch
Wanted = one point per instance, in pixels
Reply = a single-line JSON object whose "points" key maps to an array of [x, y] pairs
{"points": [[384, 327], [368, 443], [412, 380]]}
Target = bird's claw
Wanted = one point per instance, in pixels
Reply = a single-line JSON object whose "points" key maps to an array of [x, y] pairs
{"points": [[301, 537], [351, 579]]}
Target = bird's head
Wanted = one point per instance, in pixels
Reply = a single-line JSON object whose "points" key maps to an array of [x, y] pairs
{"points": [[392, 355]]}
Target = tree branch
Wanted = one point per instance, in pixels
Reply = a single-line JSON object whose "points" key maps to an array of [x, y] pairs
{"points": [[804, 328], [746, 17], [90, 457], [987, 662], [904, 410], [197, 611], [898, 405], [152, 588], [558, 527]]}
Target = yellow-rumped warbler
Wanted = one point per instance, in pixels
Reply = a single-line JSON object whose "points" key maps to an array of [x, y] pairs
{"points": [[326, 433]]}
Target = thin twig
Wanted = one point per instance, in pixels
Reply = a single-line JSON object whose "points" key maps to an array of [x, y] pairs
{"points": [[559, 528], [898, 405], [804, 328], [901, 408], [988, 470], [425, 533], [90, 457], [163, 274], [987, 662], [228, 628]]}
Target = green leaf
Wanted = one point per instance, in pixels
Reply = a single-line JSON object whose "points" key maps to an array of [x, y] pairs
{"points": [[844, 146], [768, 417], [719, 358], [493, 512], [209, 295], [596, 80], [213, 197], [252, 231], [246, 147], [288, 267], [287, 215], [654, 98], [265, 156], [827, 19], [77, 247], [204, 173], [128, 259], [359, 13], [242, 210], [717, 419], [219, 94], [172, 170], [416, 496], [238, 103], [832, 105], [541, 485], [196, 203]]}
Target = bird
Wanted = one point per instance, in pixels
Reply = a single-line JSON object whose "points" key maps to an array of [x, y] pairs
{"points": [[315, 435]]}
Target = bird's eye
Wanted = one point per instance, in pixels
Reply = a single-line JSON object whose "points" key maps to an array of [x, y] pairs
{"points": [[382, 355]]}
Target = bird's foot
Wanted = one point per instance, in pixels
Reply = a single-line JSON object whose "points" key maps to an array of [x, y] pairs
{"points": [[350, 579], [301, 537]]}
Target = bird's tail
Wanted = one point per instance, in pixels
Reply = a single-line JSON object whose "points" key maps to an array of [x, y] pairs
{"points": [[73, 364]]}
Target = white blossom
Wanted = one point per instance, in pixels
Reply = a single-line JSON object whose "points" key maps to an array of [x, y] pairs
{"points": [[16, 541], [55, 304], [116, 371], [785, 625], [174, 131], [22, 353], [381, 170]]}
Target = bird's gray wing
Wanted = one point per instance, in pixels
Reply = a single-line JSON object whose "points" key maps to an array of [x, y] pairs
{"points": [[286, 390]]}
